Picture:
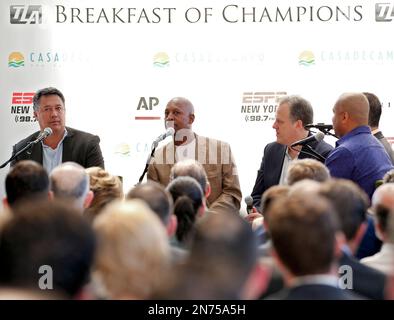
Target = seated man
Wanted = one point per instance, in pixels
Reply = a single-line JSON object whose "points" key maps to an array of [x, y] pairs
{"points": [[358, 156], [215, 156], [303, 231], [65, 143], [292, 115], [375, 111]]}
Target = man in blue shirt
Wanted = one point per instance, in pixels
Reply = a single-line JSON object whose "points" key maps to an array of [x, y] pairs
{"points": [[358, 156]]}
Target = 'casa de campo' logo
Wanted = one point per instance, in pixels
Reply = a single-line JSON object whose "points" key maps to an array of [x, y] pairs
{"points": [[161, 60], [16, 60], [306, 58]]}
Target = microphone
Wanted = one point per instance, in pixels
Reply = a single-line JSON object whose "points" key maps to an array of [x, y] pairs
{"points": [[316, 137], [45, 133], [319, 126], [170, 131], [249, 204]]}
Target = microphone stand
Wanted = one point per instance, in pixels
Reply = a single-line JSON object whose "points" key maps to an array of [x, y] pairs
{"points": [[153, 147], [326, 132], [28, 146], [317, 155]]}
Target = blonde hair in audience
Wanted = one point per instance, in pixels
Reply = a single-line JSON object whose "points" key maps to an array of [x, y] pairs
{"points": [[133, 250], [106, 188]]}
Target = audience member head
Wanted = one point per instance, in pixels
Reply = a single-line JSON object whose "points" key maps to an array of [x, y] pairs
{"points": [[293, 113], [159, 200], [188, 205], [133, 251], [303, 231], [375, 110], [70, 182], [307, 169], [222, 263], [382, 207], [26, 180], [194, 169], [350, 203], [350, 111], [46, 244], [105, 187], [270, 196]]}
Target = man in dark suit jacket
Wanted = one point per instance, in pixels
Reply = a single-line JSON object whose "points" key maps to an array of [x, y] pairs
{"points": [[293, 113], [65, 143], [350, 203], [303, 231], [375, 111]]}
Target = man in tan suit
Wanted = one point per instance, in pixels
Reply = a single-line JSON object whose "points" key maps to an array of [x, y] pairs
{"points": [[214, 155]]}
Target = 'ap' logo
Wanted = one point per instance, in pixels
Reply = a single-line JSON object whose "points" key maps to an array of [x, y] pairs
{"points": [[384, 12], [21, 14]]}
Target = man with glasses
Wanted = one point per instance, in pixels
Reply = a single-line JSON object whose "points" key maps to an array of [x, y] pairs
{"points": [[65, 143]]}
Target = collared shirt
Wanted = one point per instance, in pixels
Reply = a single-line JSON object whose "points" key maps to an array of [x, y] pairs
{"points": [[285, 168], [52, 157], [359, 157], [383, 260], [325, 279]]}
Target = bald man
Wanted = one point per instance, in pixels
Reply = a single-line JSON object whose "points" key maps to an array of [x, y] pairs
{"points": [[214, 155], [70, 182], [358, 156]]}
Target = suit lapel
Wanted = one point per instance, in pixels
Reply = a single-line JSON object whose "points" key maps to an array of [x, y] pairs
{"points": [[36, 153], [67, 146]]}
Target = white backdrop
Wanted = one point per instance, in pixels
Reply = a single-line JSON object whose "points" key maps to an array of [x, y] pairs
{"points": [[231, 65]]}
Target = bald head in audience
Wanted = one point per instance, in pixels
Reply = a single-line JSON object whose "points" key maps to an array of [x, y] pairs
{"points": [[70, 182], [350, 111]]}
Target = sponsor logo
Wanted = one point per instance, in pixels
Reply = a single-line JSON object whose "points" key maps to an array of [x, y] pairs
{"points": [[260, 106], [146, 104], [161, 60], [25, 14], [384, 12], [306, 58], [46, 58], [126, 150], [122, 149], [22, 98], [16, 60], [22, 106], [210, 58]]}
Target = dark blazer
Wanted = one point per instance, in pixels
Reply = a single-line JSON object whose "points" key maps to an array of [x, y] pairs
{"points": [[78, 146], [367, 282], [271, 166], [387, 146], [314, 292]]}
